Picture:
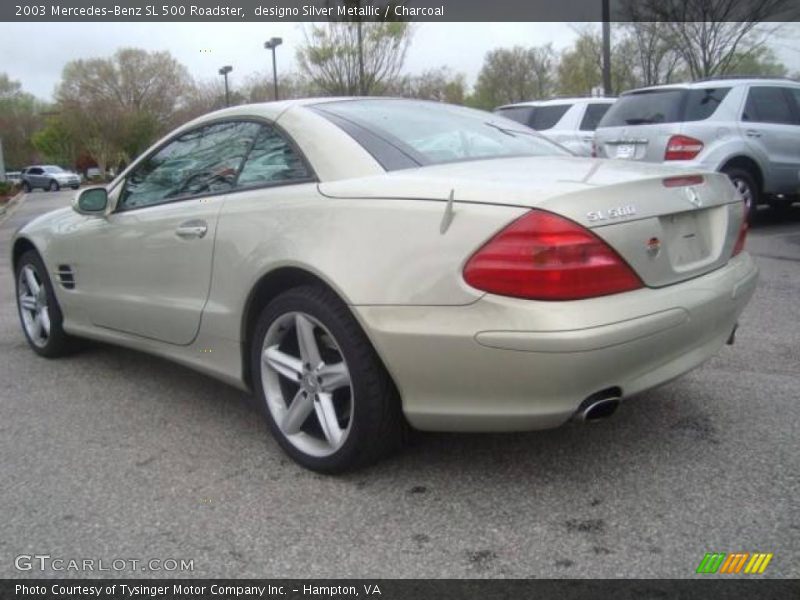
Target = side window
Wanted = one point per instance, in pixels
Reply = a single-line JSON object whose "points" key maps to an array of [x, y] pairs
{"points": [[592, 116], [272, 160], [702, 103], [768, 105], [795, 92], [201, 161], [35, 171], [546, 117], [520, 114]]}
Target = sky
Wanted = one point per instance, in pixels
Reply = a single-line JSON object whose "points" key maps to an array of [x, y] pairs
{"points": [[35, 53]]}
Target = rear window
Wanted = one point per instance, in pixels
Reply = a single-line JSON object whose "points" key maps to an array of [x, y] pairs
{"points": [[592, 116], [539, 118], [645, 108], [429, 133], [702, 103]]}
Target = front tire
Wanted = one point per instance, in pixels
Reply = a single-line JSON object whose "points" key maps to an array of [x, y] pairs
{"points": [[747, 187], [327, 397], [38, 309]]}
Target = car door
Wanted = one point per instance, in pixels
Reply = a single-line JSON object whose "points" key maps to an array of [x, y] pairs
{"points": [[145, 269], [771, 129], [35, 177]]}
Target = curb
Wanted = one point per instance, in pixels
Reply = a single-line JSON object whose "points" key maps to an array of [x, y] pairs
{"points": [[7, 209]]}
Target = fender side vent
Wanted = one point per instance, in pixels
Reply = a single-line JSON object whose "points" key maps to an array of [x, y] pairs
{"points": [[66, 277]]}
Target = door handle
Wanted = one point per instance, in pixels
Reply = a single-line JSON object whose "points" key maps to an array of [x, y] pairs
{"points": [[752, 133], [192, 229], [588, 138]]}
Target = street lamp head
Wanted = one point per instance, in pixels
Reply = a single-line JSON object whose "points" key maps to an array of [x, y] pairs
{"points": [[225, 70], [273, 43]]}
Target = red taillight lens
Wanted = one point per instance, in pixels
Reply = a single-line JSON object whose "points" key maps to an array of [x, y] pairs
{"points": [[594, 150], [742, 238], [682, 181], [682, 147], [542, 256]]}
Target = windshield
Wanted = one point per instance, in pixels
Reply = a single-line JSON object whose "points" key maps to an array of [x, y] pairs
{"points": [[53, 170], [645, 108], [432, 133]]}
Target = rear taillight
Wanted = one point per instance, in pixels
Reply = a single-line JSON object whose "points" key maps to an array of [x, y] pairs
{"points": [[682, 181], [742, 237], [682, 147], [542, 256], [594, 150]]}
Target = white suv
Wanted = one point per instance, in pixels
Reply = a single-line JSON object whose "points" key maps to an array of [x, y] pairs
{"points": [[748, 128], [569, 121]]}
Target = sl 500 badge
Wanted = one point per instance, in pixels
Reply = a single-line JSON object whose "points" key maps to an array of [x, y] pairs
{"points": [[618, 212]]}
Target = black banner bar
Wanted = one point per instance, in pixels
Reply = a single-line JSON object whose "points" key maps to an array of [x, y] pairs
{"points": [[717, 588], [417, 10]]}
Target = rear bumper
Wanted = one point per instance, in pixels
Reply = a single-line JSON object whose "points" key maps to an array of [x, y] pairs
{"points": [[502, 364]]}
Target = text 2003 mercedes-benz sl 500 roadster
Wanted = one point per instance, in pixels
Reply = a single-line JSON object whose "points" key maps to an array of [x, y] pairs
{"points": [[366, 264]]}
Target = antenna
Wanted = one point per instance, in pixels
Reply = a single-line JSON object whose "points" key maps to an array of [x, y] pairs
{"points": [[447, 218]]}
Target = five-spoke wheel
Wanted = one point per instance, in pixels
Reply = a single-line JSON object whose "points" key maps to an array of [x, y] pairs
{"points": [[38, 308], [328, 399], [33, 306], [307, 383]]}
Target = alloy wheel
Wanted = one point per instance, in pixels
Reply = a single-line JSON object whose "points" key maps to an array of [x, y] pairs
{"points": [[33, 307], [744, 190], [307, 384]]}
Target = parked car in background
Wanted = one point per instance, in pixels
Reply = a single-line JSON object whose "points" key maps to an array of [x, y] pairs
{"points": [[13, 177], [360, 264], [569, 121], [48, 177], [748, 128]]}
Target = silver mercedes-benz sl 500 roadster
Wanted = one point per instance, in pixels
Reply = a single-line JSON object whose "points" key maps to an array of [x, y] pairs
{"points": [[362, 265]]}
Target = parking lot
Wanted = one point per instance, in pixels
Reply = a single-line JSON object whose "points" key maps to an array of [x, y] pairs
{"points": [[113, 454]]}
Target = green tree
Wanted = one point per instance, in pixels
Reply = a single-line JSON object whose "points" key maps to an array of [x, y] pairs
{"points": [[580, 71], [761, 61], [354, 58], [115, 107], [19, 119], [56, 142], [441, 85], [515, 74], [712, 35]]}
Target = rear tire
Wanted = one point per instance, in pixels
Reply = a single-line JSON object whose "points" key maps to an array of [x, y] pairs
{"points": [[38, 309], [54, 187], [747, 187], [26, 187], [362, 421]]}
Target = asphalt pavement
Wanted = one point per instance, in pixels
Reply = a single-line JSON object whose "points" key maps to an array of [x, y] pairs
{"points": [[115, 455]]}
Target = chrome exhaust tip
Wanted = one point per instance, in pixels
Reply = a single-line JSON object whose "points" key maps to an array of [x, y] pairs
{"points": [[599, 406], [599, 410]]}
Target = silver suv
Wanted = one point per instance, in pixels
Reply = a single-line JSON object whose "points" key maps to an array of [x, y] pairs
{"points": [[48, 177], [569, 121], [748, 128]]}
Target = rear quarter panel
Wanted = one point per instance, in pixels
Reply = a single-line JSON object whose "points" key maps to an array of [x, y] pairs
{"points": [[370, 251]]}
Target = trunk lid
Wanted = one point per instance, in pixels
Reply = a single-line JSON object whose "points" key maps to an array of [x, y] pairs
{"points": [[666, 233]]}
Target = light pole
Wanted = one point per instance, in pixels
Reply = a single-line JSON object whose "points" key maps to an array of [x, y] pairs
{"points": [[606, 49], [224, 72], [271, 45]]}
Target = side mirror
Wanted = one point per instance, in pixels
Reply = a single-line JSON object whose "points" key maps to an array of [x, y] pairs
{"points": [[91, 201]]}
